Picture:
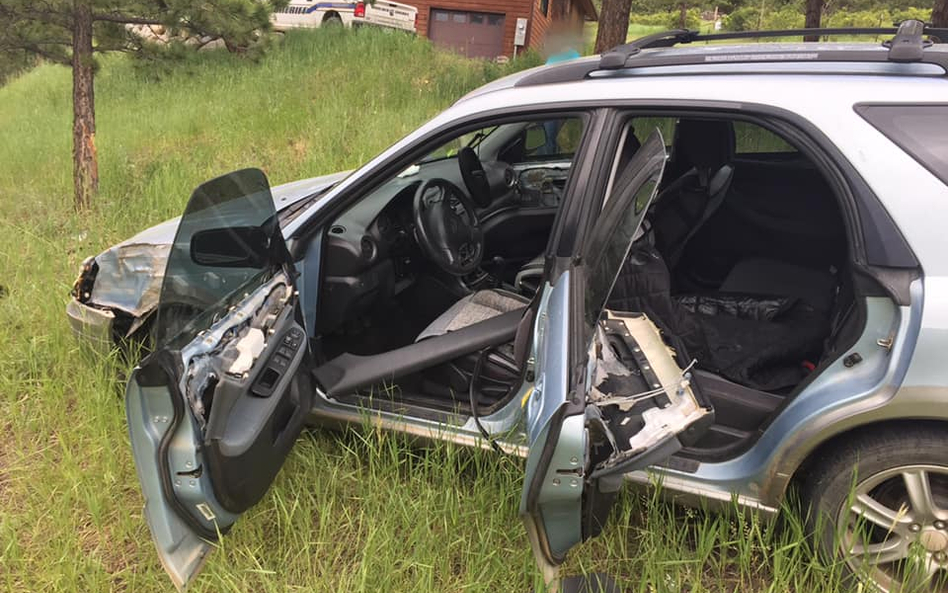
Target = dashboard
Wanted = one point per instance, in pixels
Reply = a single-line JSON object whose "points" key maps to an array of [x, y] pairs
{"points": [[370, 250], [542, 185]]}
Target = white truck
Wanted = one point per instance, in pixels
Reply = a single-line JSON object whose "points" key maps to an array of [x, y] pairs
{"points": [[381, 13]]}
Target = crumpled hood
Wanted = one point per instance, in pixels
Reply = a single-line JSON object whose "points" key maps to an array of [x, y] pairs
{"points": [[130, 273]]}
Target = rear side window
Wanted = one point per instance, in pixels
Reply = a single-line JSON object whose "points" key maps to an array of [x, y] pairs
{"points": [[752, 139], [920, 130]]}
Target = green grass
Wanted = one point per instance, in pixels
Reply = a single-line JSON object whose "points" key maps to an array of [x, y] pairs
{"points": [[356, 511]]}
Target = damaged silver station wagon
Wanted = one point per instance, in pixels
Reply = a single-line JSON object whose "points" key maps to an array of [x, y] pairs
{"points": [[723, 263]]}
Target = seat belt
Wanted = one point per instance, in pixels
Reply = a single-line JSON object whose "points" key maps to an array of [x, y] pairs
{"points": [[714, 202]]}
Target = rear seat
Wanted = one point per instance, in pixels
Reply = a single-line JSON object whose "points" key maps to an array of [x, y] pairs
{"points": [[766, 345], [769, 277]]}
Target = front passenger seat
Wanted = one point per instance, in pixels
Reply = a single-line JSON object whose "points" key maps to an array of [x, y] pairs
{"points": [[703, 153]]}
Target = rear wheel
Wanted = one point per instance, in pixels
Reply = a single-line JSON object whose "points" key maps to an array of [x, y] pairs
{"points": [[880, 503], [332, 20]]}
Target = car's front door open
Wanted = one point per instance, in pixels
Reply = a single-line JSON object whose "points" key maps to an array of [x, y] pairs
{"points": [[625, 402], [216, 408]]}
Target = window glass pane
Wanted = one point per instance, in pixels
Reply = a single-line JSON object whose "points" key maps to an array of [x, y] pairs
{"points": [[228, 211], [495, 20], [477, 19], [751, 138], [441, 16], [552, 139], [567, 139], [920, 130], [642, 126], [635, 185], [460, 18]]}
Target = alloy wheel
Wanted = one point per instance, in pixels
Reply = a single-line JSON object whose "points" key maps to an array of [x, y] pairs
{"points": [[894, 529]]}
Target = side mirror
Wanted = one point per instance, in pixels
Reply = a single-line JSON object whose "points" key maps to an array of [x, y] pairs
{"points": [[231, 247], [534, 138]]}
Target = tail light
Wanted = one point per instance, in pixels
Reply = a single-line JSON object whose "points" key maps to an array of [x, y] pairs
{"points": [[359, 10]]}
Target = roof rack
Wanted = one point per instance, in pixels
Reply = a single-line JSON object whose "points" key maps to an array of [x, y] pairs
{"points": [[907, 46]]}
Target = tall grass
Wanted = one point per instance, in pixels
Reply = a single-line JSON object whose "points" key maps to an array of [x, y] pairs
{"points": [[357, 511]]}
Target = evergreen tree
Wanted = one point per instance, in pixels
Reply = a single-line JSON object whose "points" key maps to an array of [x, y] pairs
{"points": [[71, 32], [613, 24], [940, 14], [813, 16]]}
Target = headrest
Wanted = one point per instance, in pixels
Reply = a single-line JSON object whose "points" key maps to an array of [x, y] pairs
{"points": [[704, 143]]}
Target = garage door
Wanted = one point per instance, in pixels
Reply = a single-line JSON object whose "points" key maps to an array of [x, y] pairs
{"points": [[474, 34]]}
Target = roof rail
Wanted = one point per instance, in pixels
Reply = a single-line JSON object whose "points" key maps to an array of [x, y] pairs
{"points": [[908, 45]]}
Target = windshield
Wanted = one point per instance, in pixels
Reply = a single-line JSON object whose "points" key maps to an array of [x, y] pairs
{"points": [[451, 148], [289, 214]]}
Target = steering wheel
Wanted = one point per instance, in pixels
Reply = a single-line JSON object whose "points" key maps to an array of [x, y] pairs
{"points": [[474, 176], [446, 227]]}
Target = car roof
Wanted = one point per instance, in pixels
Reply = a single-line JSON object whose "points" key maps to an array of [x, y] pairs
{"points": [[745, 59]]}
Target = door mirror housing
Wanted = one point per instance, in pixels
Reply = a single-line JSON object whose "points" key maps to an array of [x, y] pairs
{"points": [[231, 247], [534, 137]]}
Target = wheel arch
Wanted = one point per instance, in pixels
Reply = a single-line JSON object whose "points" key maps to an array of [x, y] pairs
{"points": [[331, 15], [823, 449]]}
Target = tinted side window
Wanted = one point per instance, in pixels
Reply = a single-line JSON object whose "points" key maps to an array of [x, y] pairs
{"points": [[633, 189], [552, 139], [228, 208], [752, 139], [919, 130]]}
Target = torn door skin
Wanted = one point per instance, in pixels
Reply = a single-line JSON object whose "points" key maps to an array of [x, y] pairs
{"points": [[643, 404], [237, 347]]}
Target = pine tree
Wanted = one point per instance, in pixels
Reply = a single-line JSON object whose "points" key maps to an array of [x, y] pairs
{"points": [[812, 17], [613, 24], [940, 13], [72, 32]]}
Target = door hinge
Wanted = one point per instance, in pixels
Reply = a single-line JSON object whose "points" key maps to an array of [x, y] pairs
{"points": [[886, 342]]}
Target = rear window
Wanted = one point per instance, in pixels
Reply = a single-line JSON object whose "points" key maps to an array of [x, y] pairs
{"points": [[920, 130]]}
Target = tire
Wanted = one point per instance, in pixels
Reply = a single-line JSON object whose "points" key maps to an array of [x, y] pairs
{"points": [[868, 506], [332, 21]]}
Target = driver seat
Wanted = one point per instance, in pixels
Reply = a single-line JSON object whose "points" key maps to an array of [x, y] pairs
{"points": [[503, 364], [474, 308]]}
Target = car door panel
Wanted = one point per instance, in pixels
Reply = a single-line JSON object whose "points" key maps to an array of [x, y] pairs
{"points": [[215, 410], [630, 403]]}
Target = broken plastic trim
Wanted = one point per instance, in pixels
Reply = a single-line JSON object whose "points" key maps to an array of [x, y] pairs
{"points": [[233, 345], [666, 405]]}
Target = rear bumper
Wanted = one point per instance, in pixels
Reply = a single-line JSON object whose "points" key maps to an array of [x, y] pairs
{"points": [[91, 326]]}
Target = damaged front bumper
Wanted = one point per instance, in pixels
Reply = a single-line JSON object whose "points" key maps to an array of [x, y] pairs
{"points": [[91, 326], [116, 292]]}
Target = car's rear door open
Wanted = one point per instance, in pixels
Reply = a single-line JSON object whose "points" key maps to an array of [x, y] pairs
{"points": [[631, 401]]}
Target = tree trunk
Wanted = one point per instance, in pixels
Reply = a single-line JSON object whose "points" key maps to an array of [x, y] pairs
{"points": [[613, 24], [683, 15], [813, 17], [85, 173], [940, 14]]}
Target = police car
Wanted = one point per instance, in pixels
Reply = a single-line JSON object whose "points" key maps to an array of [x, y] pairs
{"points": [[382, 13]]}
